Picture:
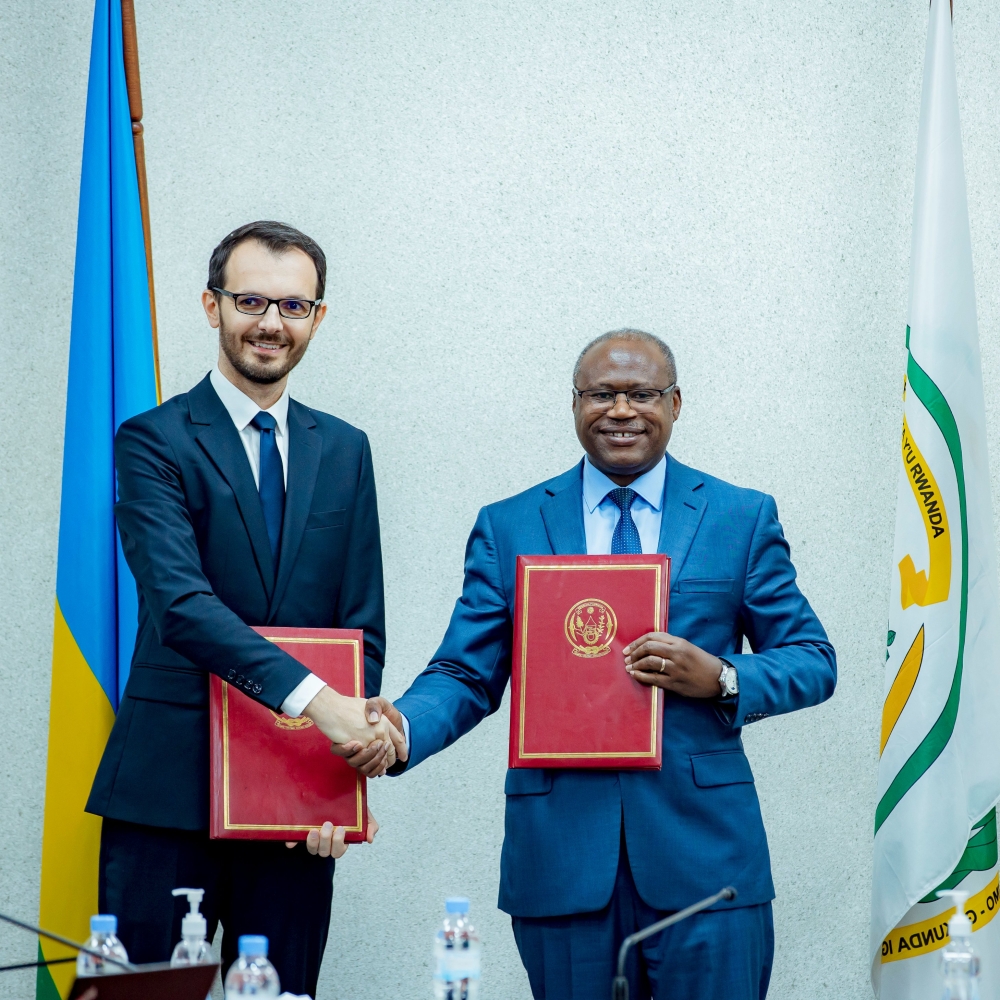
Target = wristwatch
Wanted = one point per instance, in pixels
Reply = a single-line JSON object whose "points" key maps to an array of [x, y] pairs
{"points": [[729, 680]]}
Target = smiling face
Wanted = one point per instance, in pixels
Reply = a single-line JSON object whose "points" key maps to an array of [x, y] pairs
{"points": [[256, 353], [623, 442]]}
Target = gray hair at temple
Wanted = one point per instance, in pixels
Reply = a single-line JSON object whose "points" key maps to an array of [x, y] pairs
{"points": [[633, 335]]}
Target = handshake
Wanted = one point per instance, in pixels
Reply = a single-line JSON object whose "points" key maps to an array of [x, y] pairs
{"points": [[368, 733]]}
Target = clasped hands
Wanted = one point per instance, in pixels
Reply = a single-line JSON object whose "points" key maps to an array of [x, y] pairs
{"points": [[369, 734]]}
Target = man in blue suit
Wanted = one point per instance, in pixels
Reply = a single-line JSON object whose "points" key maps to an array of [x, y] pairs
{"points": [[590, 856]]}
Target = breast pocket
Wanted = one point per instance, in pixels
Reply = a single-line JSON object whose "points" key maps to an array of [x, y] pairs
{"points": [[326, 519], [704, 586]]}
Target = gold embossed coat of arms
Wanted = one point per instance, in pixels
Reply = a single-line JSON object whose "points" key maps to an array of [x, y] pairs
{"points": [[590, 627]]}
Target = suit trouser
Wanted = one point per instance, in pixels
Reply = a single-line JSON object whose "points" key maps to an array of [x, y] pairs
{"points": [[251, 887], [714, 955]]}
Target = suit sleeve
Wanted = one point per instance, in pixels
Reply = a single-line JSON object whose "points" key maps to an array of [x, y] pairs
{"points": [[160, 546], [362, 598], [466, 677], [793, 664]]}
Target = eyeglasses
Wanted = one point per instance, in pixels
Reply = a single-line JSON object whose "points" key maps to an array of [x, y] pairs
{"points": [[256, 305], [638, 399]]}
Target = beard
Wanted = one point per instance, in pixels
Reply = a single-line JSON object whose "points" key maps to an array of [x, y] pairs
{"points": [[261, 372]]}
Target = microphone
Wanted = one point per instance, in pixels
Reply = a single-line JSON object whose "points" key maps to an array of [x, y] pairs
{"points": [[128, 966], [619, 989]]}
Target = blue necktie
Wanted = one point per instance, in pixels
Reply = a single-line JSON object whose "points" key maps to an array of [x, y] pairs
{"points": [[625, 540], [271, 480]]}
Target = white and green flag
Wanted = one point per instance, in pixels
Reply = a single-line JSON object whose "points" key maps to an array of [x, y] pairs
{"points": [[939, 770]]}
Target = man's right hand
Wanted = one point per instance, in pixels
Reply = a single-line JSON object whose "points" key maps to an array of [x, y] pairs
{"points": [[354, 725], [371, 761]]}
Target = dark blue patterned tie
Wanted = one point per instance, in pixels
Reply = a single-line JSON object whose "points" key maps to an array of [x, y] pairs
{"points": [[625, 540], [272, 480]]}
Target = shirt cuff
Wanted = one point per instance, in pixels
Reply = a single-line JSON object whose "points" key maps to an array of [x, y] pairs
{"points": [[406, 732], [295, 704]]}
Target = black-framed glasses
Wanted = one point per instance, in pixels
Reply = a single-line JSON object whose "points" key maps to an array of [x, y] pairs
{"points": [[252, 304], [638, 399]]}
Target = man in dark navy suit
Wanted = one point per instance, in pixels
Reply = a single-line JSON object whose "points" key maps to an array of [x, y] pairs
{"points": [[238, 506], [590, 856]]}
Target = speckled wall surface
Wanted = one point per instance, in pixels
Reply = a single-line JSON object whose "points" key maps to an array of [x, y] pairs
{"points": [[494, 183]]}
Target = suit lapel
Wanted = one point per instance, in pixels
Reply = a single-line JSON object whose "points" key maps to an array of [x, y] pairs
{"points": [[221, 442], [683, 509], [562, 514], [305, 448]]}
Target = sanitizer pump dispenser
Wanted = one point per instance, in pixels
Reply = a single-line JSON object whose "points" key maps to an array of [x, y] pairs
{"points": [[959, 963], [192, 949]]}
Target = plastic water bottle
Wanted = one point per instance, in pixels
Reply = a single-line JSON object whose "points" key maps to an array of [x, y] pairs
{"points": [[457, 954], [252, 975], [192, 949], [103, 927], [959, 963]]}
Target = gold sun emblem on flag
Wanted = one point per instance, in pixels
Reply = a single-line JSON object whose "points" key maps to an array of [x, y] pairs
{"points": [[590, 627]]}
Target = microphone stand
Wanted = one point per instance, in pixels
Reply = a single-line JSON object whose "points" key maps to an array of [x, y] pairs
{"points": [[619, 989], [128, 966]]}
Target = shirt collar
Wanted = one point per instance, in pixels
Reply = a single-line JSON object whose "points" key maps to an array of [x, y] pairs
{"points": [[242, 408], [596, 485]]}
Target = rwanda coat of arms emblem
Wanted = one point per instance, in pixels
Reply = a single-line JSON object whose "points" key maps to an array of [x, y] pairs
{"points": [[590, 627]]}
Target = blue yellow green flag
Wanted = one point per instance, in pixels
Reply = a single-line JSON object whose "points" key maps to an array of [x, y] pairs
{"points": [[112, 376]]}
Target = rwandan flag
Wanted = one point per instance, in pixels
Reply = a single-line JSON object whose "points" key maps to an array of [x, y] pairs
{"points": [[938, 776], [112, 376]]}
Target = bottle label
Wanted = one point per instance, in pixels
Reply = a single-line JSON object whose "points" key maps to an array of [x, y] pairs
{"points": [[454, 969]]}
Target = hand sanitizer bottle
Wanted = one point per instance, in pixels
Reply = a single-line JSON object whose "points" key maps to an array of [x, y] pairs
{"points": [[959, 963], [192, 949]]}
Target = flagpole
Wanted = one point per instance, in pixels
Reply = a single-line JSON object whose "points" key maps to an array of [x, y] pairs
{"points": [[130, 44]]}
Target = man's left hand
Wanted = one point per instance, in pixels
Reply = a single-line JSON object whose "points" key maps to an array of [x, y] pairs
{"points": [[372, 761], [328, 841], [674, 664]]}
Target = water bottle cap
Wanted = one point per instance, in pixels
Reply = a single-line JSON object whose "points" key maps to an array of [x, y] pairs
{"points": [[104, 923], [252, 945], [456, 904]]}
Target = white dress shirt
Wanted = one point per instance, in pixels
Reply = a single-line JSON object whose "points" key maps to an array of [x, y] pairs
{"points": [[243, 409], [601, 514]]}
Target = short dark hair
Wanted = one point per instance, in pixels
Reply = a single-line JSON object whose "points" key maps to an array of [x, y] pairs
{"points": [[276, 237], [629, 334]]}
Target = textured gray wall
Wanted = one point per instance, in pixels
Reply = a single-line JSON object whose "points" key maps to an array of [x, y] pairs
{"points": [[494, 183]]}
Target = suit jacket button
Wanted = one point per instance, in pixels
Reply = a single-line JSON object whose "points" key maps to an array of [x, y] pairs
{"points": [[231, 675], [257, 688]]}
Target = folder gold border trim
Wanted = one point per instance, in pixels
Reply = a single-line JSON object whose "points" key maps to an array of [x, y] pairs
{"points": [[279, 640], [603, 755]]}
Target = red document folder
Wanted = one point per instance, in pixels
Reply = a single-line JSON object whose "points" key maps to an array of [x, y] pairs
{"points": [[275, 778], [572, 703]]}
